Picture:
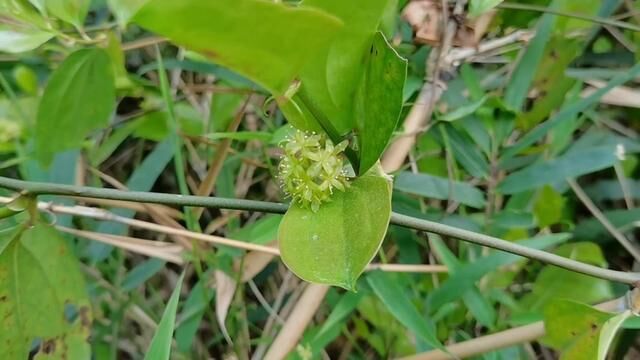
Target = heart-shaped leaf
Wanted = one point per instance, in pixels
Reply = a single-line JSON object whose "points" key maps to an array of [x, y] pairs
{"points": [[334, 245]]}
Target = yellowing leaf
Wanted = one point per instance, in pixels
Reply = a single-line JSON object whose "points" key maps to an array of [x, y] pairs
{"points": [[42, 297], [574, 329]]}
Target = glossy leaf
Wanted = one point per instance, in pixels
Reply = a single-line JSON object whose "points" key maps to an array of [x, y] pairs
{"points": [[287, 39], [160, 348], [435, 187], [333, 77], [79, 98], [401, 307], [334, 245], [378, 100], [42, 296], [574, 329]]}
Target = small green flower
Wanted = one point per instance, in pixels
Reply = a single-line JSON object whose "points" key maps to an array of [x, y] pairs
{"points": [[311, 168]]}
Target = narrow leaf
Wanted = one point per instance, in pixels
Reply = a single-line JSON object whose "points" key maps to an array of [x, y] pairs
{"points": [[464, 111], [435, 187], [160, 347], [378, 100], [400, 306], [568, 112], [557, 170]]}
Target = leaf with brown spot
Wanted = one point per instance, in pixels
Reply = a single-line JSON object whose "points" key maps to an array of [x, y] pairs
{"points": [[574, 329], [37, 285]]}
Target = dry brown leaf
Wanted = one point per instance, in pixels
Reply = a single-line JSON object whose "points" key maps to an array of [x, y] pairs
{"points": [[225, 289], [425, 16], [619, 95]]}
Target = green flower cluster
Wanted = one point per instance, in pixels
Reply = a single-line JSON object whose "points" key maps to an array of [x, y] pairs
{"points": [[311, 168]]}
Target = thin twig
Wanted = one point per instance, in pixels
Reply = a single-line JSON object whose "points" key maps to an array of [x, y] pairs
{"points": [[594, 19], [38, 188], [626, 243]]}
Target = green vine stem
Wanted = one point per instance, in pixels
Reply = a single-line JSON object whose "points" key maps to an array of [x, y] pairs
{"points": [[40, 188]]}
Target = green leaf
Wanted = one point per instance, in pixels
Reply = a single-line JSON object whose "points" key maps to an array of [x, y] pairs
{"points": [[479, 7], [378, 100], [466, 275], [71, 11], [464, 151], [141, 273], [79, 98], [16, 41], [124, 10], [333, 76], [440, 188], [548, 207], [26, 79], [592, 229], [574, 329], [472, 298], [334, 245], [42, 296], [242, 135], [552, 281], [516, 92], [608, 332], [160, 347], [348, 302], [225, 32], [39, 4], [568, 112], [464, 111], [400, 306], [555, 171]]}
